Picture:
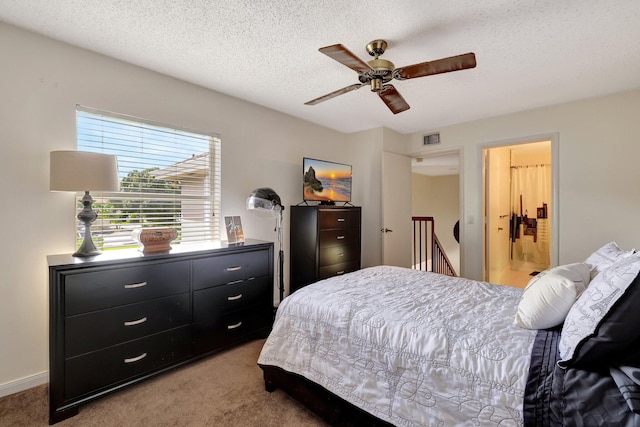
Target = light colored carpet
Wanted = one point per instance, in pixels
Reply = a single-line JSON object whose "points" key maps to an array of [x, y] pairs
{"points": [[222, 390]]}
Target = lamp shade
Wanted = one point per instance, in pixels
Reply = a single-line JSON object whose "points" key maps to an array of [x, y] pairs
{"points": [[83, 171], [264, 201]]}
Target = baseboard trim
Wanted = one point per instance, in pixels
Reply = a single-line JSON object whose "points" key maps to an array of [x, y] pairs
{"points": [[24, 383]]}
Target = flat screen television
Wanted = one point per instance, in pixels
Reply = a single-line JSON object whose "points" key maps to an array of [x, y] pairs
{"points": [[326, 182]]}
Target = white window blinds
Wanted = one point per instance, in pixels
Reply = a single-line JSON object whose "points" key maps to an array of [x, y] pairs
{"points": [[168, 178]]}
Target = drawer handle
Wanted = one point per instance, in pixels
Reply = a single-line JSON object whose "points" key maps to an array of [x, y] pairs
{"points": [[135, 285], [235, 282], [237, 325], [340, 272], [340, 219], [341, 254], [237, 297], [236, 268], [135, 322], [135, 359], [340, 237]]}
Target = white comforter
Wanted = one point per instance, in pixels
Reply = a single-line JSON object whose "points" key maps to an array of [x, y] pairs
{"points": [[410, 347]]}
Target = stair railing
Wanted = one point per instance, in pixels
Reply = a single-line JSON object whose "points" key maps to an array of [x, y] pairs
{"points": [[428, 253]]}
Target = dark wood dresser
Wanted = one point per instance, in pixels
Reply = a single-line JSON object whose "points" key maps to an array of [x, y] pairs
{"points": [[324, 242], [122, 317]]}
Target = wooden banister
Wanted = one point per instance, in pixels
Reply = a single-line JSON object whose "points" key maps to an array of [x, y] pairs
{"points": [[428, 253]]}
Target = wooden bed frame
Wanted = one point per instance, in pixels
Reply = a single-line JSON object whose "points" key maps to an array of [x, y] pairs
{"points": [[331, 408]]}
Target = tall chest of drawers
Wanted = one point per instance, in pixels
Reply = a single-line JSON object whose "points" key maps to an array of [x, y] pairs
{"points": [[324, 242], [121, 317]]}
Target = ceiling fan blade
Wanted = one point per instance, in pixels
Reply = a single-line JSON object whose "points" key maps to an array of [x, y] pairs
{"points": [[444, 65], [393, 99], [345, 57], [336, 93]]}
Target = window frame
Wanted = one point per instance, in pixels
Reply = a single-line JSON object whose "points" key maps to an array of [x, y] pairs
{"points": [[209, 228]]}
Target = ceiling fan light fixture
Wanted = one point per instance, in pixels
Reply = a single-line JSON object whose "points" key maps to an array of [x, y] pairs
{"points": [[376, 47], [381, 65]]}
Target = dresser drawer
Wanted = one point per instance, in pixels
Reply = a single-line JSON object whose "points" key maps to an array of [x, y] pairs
{"points": [[338, 218], [92, 371], [217, 300], [337, 255], [104, 328], [99, 289], [230, 268], [231, 328], [338, 269], [339, 237]]}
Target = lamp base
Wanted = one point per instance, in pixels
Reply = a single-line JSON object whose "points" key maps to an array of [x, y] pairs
{"points": [[87, 215], [87, 249]]}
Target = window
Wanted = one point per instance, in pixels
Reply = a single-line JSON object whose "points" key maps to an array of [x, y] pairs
{"points": [[168, 178]]}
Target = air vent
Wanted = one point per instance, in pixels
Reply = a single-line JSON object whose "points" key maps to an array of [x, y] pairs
{"points": [[434, 138]]}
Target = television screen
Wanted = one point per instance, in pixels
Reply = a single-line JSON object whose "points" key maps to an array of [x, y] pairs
{"points": [[326, 181]]}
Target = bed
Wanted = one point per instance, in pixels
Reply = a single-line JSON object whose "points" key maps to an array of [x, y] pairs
{"points": [[392, 346]]}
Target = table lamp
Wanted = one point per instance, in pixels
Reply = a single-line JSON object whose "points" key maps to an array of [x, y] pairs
{"points": [[84, 171]]}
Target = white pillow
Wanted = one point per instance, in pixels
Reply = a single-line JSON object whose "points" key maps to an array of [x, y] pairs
{"points": [[606, 256], [578, 273], [549, 296]]}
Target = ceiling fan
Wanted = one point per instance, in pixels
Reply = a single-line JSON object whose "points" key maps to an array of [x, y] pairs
{"points": [[378, 72]]}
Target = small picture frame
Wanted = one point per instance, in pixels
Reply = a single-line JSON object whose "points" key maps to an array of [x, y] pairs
{"points": [[542, 212], [233, 225]]}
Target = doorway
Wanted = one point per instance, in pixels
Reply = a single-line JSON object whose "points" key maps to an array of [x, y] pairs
{"points": [[436, 192], [518, 211]]}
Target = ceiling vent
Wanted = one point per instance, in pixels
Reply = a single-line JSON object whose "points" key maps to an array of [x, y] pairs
{"points": [[432, 139]]}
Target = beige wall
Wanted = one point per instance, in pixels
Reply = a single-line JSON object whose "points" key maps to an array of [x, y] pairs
{"points": [[535, 153], [439, 197], [597, 157], [41, 81]]}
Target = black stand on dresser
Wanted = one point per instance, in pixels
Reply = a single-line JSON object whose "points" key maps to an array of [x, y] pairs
{"points": [[324, 242], [122, 317]]}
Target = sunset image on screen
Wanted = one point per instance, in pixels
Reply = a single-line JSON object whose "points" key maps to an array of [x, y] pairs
{"points": [[326, 181]]}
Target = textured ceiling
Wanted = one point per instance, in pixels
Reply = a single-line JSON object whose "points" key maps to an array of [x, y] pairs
{"points": [[529, 53]]}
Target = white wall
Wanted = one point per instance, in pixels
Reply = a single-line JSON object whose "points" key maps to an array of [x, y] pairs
{"points": [[598, 152], [41, 81], [366, 153]]}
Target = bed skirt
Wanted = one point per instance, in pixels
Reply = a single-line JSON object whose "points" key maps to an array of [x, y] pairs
{"points": [[331, 408]]}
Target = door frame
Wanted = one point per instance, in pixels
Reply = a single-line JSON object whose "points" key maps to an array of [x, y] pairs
{"points": [[555, 197], [460, 152]]}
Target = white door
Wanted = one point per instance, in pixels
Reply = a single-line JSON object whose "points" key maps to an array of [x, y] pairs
{"points": [[497, 213], [396, 209]]}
